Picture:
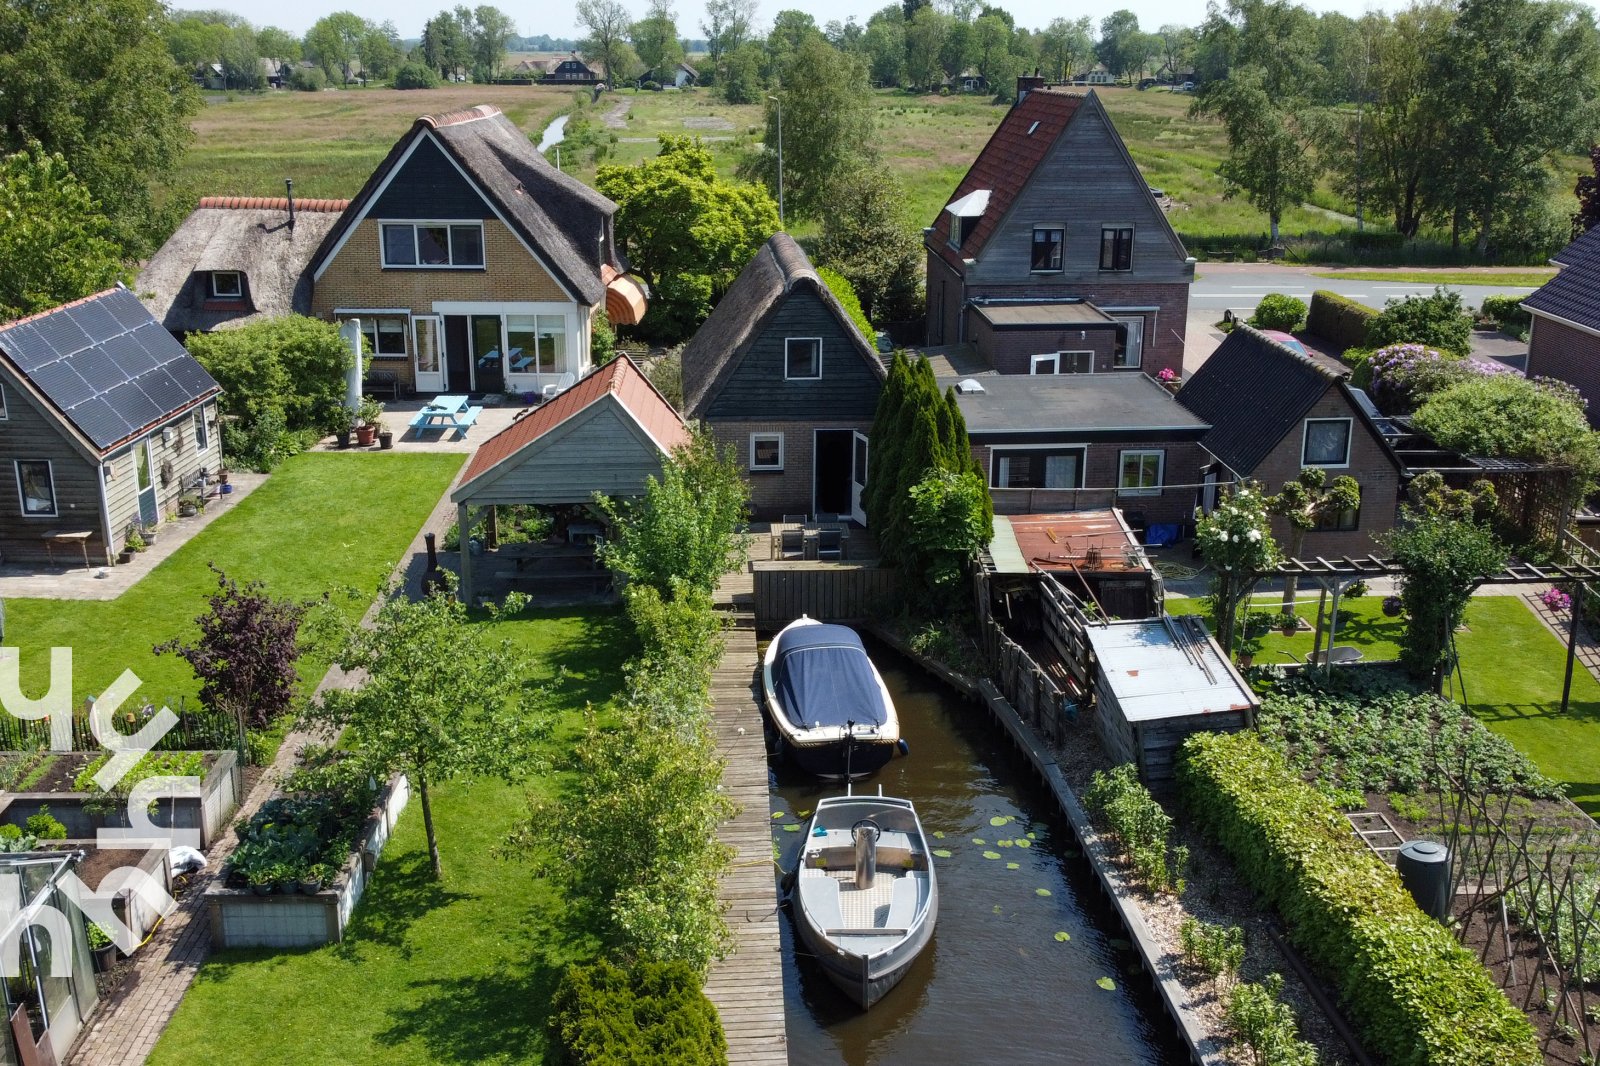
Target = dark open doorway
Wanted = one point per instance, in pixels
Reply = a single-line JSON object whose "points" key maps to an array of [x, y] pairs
{"points": [[490, 375], [831, 471], [457, 354]]}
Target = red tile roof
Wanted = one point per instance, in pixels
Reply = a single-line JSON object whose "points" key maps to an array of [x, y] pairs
{"points": [[271, 203], [622, 378], [1005, 166], [451, 118]]}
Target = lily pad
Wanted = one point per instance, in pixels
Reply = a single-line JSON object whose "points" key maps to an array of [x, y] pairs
{"points": [[999, 820], [979, 841], [1013, 866], [1107, 983], [777, 814], [991, 854], [802, 814], [1004, 843], [941, 853], [1042, 892], [792, 827], [1021, 843], [938, 834], [1062, 938], [996, 908], [1033, 836]]}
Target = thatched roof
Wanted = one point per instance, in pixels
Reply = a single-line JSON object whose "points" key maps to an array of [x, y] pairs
{"points": [[720, 344], [251, 235]]}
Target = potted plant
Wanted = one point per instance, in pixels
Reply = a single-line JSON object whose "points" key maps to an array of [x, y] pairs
{"points": [[1289, 624], [1392, 606], [189, 506], [368, 419], [261, 878], [340, 422], [1246, 651], [223, 486], [310, 881], [385, 439], [100, 945], [135, 542]]}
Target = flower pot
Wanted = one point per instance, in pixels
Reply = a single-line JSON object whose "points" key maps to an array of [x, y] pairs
{"points": [[365, 435], [262, 889], [187, 510], [310, 888], [386, 440], [125, 556], [343, 437], [1245, 661], [104, 958]]}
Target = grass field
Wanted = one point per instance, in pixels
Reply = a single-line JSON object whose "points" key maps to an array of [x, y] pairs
{"points": [[1512, 667], [1513, 278], [455, 972], [321, 521]]}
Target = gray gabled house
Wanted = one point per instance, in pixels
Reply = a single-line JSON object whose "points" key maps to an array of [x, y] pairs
{"points": [[781, 372]]}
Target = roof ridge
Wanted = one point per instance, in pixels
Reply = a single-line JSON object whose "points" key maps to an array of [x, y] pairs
{"points": [[791, 260], [262, 203], [4, 326], [453, 118], [1251, 331]]}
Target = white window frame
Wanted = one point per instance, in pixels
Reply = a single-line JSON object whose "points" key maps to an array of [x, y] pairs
{"points": [[202, 434], [415, 224], [377, 332], [1305, 436], [998, 451], [22, 499], [753, 467], [1061, 249], [1100, 253], [802, 377], [5, 405], [238, 279], [1123, 489], [1050, 359], [1128, 320]]}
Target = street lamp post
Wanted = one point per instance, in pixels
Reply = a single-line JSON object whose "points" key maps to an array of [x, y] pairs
{"points": [[779, 102]]}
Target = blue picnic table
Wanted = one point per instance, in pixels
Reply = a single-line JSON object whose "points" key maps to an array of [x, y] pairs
{"points": [[446, 412]]}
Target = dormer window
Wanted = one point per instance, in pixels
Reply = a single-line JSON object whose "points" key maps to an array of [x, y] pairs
{"points": [[433, 244], [1047, 246], [965, 214], [802, 358], [227, 285]]}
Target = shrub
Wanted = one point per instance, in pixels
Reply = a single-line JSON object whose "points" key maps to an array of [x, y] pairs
{"points": [[666, 374], [1280, 312], [45, 826], [1507, 416], [1266, 1026], [1506, 311], [651, 86], [1339, 320], [845, 293], [1139, 824], [602, 338], [416, 76], [946, 528], [1401, 376], [1417, 997], [308, 79], [1438, 321], [1214, 950], [652, 1013]]}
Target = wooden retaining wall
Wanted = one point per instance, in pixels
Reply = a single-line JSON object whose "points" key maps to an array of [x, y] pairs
{"points": [[831, 592]]}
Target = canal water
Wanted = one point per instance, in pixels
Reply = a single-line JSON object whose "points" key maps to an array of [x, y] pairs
{"points": [[553, 133], [997, 984]]}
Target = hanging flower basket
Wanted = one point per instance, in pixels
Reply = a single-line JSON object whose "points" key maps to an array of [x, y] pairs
{"points": [[1392, 606]]}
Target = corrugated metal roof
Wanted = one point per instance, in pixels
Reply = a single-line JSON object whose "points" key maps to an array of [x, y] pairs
{"points": [[1096, 541], [1152, 676]]}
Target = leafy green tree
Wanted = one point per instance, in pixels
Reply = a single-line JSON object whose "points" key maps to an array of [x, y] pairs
{"points": [[278, 44], [1438, 321], [1268, 158], [94, 82], [740, 80], [1235, 540], [827, 128], [194, 40], [1444, 556], [991, 49], [956, 50], [1308, 501], [790, 29], [379, 51], [1115, 49], [441, 701], [883, 43], [867, 238], [685, 230], [1508, 416], [683, 528], [727, 27], [241, 59], [655, 39], [334, 43], [447, 44], [1065, 46], [492, 30], [606, 26], [55, 245], [1176, 49], [946, 529], [924, 37]]}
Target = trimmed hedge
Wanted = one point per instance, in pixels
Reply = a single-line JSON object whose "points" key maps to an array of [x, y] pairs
{"points": [[653, 1014], [1277, 311], [1339, 320], [1418, 997], [1506, 310]]}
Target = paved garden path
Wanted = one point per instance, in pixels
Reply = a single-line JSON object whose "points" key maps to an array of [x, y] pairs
{"points": [[124, 1029], [1587, 649]]}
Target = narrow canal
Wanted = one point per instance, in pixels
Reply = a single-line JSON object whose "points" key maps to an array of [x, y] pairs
{"points": [[999, 983]]}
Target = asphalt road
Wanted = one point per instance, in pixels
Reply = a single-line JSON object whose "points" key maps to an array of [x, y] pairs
{"points": [[1240, 286]]}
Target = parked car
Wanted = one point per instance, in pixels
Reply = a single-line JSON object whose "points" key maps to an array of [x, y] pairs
{"points": [[1288, 340], [1188, 86]]}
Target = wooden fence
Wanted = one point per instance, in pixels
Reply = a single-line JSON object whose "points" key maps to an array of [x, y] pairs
{"points": [[197, 729], [829, 592], [1034, 694]]}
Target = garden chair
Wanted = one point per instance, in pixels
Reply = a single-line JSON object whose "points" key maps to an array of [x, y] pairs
{"points": [[830, 544], [792, 544]]}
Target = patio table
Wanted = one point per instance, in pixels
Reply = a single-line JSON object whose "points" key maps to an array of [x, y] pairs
{"points": [[446, 412]]}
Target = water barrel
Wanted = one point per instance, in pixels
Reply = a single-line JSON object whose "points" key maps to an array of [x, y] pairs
{"points": [[1424, 868]]}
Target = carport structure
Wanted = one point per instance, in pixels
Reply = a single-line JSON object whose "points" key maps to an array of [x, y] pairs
{"points": [[607, 434]]}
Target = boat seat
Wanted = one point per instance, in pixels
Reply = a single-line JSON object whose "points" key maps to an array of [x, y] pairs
{"points": [[902, 903], [819, 897], [891, 838]]}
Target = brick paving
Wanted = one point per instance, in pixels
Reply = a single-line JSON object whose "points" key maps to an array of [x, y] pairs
{"points": [[125, 1027], [1587, 649]]}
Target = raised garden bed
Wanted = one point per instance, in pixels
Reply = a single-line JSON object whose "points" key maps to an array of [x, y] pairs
{"points": [[85, 811]]}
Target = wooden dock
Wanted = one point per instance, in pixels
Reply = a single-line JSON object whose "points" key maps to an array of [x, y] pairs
{"points": [[747, 986]]}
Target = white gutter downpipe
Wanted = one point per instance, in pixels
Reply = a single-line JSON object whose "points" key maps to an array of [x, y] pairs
{"points": [[350, 332]]}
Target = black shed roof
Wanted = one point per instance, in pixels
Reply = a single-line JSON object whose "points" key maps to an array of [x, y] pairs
{"points": [[1573, 295], [106, 365]]}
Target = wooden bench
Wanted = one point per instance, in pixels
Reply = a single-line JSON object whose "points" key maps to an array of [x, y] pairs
{"points": [[80, 536], [383, 381]]}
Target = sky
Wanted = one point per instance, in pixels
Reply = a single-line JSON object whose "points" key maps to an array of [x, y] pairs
{"points": [[559, 19]]}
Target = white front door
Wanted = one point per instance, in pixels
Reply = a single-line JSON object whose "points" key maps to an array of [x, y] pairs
{"points": [[858, 479], [427, 344]]}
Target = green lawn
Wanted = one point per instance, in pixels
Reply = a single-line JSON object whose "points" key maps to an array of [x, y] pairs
{"points": [[1516, 279], [1512, 667], [321, 520], [454, 972]]}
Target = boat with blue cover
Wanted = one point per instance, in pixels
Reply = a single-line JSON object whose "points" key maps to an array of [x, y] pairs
{"points": [[827, 701]]}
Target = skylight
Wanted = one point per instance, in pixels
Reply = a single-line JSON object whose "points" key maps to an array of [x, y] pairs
{"points": [[1033, 127]]}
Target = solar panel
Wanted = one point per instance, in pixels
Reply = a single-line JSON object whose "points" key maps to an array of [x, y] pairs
{"points": [[137, 357], [99, 422], [126, 309], [93, 318], [164, 390], [26, 348], [192, 376], [64, 385], [134, 406], [96, 366], [63, 334]]}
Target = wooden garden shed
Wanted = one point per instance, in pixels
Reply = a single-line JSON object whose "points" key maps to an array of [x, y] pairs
{"points": [[1157, 681]]}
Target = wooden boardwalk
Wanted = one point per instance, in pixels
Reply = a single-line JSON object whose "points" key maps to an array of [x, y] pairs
{"points": [[747, 986]]}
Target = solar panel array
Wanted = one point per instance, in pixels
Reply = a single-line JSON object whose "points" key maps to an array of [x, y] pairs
{"points": [[110, 367]]}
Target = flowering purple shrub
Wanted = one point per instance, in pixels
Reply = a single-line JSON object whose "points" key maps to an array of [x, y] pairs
{"points": [[1404, 375], [1556, 600]]}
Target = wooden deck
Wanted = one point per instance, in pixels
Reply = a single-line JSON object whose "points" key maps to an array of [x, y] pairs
{"points": [[747, 986]]}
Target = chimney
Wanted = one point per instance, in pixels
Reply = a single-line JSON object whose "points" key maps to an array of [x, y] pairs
{"points": [[288, 184], [1027, 83]]}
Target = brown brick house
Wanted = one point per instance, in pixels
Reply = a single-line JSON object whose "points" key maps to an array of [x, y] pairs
{"points": [[1274, 412], [1052, 255], [1565, 338], [473, 264], [781, 372]]}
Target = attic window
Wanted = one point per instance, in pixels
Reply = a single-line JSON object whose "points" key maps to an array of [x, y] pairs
{"points": [[964, 215], [227, 285], [1032, 128]]}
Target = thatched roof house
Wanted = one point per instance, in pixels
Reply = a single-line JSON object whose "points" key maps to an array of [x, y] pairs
{"points": [[236, 259]]}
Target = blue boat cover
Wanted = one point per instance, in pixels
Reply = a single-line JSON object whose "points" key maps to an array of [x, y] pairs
{"points": [[821, 676]]}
